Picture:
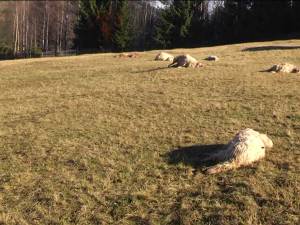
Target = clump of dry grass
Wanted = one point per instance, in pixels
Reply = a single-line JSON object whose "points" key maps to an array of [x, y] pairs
{"points": [[84, 142]]}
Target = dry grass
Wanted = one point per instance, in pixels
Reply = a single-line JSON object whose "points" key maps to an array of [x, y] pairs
{"points": [[97, 140]]}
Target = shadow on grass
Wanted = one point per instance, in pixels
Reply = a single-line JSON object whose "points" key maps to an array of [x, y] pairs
{"points": [[267, 48], [266, 71], [195, 155], [139, 220], [151, 70]]}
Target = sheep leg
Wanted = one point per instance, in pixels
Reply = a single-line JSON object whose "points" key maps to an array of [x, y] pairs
{"points": [[222, 167], [173, 64]]}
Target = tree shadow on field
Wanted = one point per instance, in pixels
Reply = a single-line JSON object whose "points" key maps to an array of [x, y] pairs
{"points": [[194, 155], [267, 48]]}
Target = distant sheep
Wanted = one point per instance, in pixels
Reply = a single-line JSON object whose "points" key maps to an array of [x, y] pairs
{"points": [[127, 55], [163, 56], [212, 58], [185, 61], [245, 148], [284, 68]]}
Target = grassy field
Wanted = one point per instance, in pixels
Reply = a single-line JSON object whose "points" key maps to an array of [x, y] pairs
{"points": [[94, 139]]}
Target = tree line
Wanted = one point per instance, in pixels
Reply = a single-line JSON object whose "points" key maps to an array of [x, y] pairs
{"points": [[197, 23], [30, 28]]}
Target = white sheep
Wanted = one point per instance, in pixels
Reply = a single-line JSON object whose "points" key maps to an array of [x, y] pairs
{"points": [[285, 68], [245, 148], [185, 61], [163, 56]]}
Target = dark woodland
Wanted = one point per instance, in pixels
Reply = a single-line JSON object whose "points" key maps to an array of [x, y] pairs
{"points": [[41, 28]]}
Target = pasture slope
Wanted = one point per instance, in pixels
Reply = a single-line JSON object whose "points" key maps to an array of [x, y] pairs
{"points": [[94, 139]]}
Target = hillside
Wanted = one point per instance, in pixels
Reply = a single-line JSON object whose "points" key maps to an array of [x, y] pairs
{"points": [[94, 139]]}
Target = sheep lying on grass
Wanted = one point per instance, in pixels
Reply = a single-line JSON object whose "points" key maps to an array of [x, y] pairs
{"points": [[212, 58], [127, 55], [245, 148], [185, 61], [284, 68], [163, 56]]}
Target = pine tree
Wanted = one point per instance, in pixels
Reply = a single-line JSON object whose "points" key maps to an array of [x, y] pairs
{"points": [[174, 24], [199, 23], [93, 29], [103, 24], [272, 18], [122, 29]]}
